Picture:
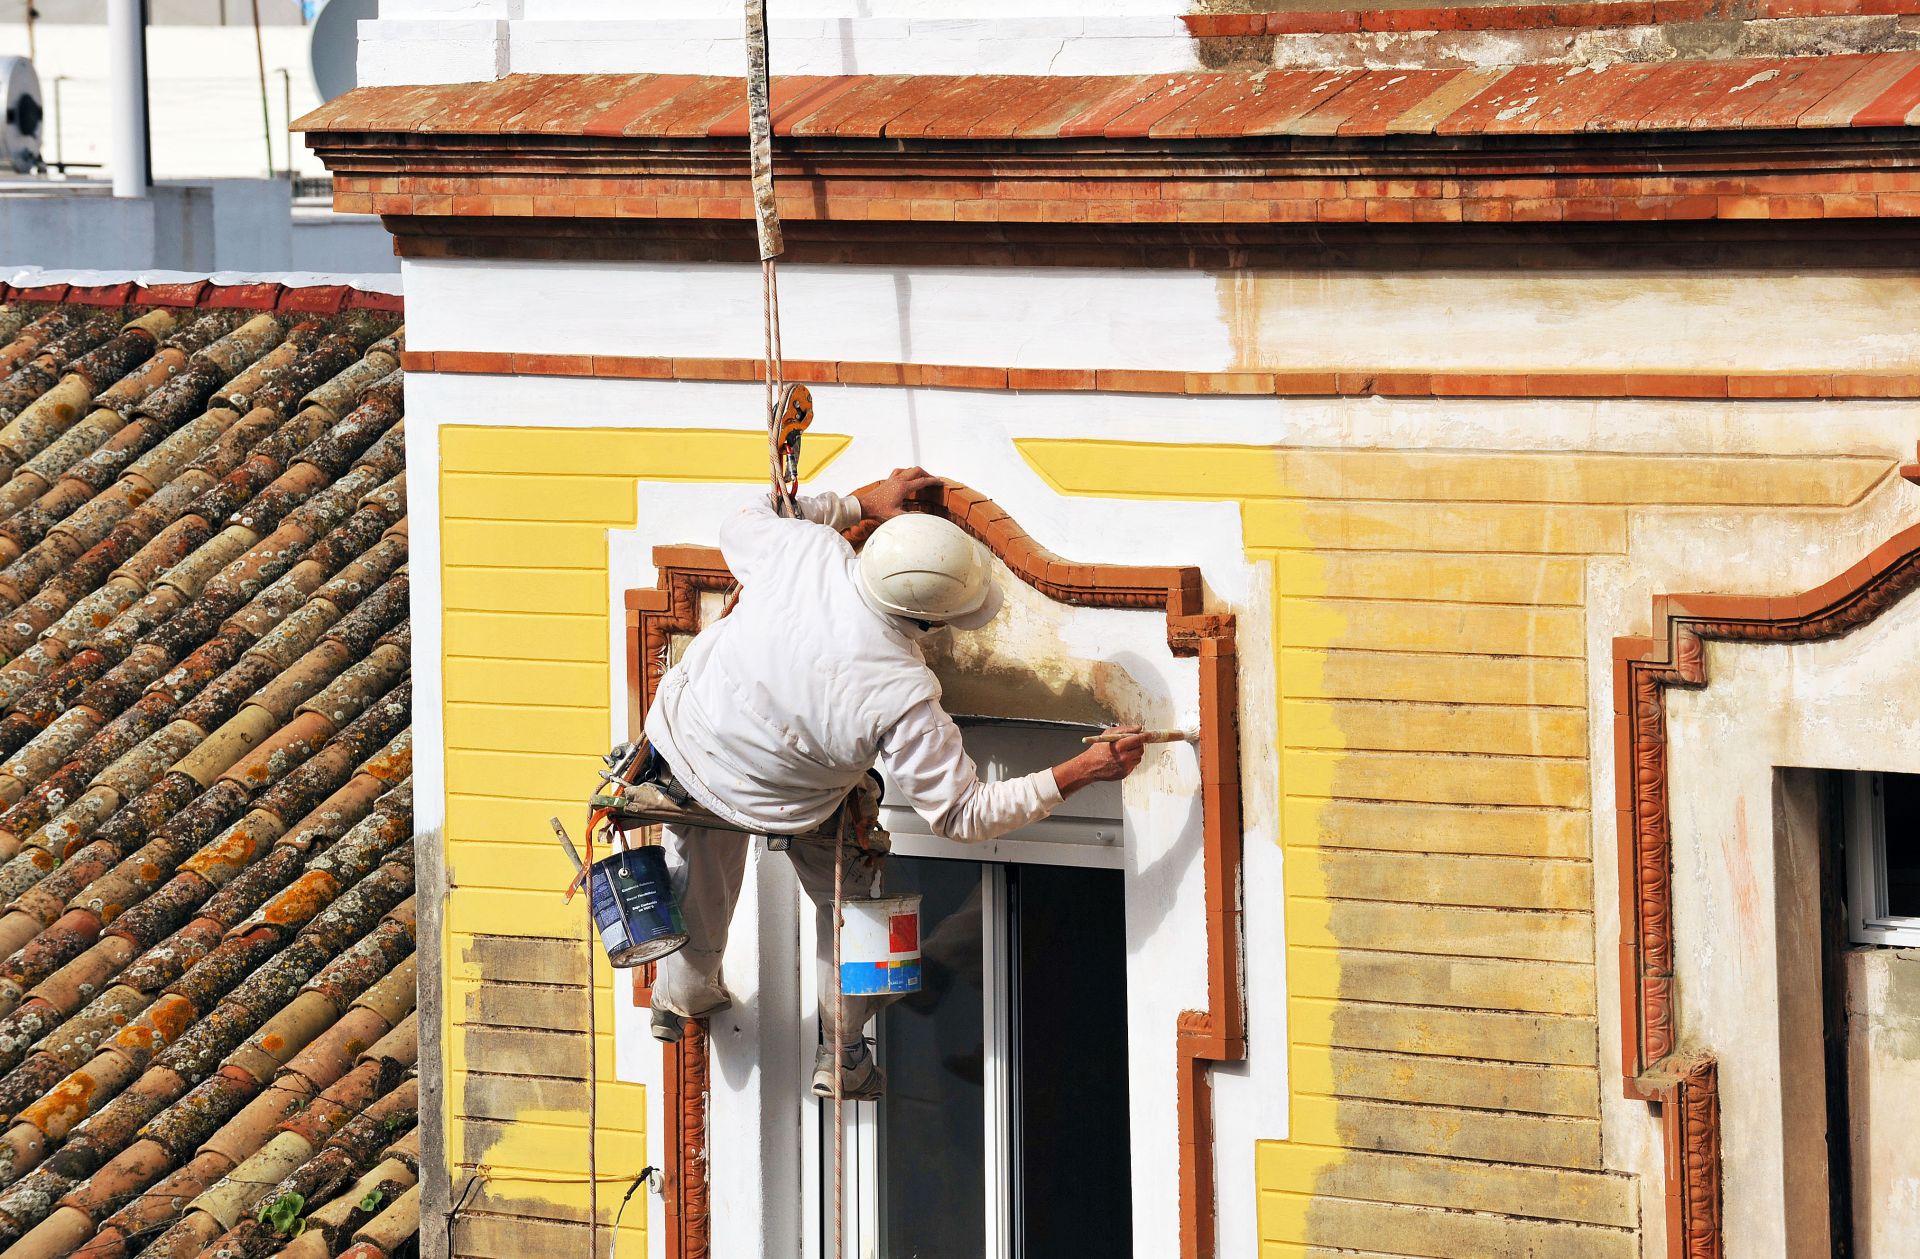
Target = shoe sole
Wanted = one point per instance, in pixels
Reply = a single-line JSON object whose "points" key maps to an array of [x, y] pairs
{"points": [[669, 1036], [827, 1096], [825, 1092]]}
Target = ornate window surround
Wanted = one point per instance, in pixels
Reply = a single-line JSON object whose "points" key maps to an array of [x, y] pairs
{"points": [[1204, 1037], [1654, 1068]]}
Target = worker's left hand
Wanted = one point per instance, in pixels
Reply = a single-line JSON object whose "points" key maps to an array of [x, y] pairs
{"points": [[883, 500]]}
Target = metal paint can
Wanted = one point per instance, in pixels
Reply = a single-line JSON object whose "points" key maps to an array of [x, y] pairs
{"points": [[880, 947], [633, 906]]}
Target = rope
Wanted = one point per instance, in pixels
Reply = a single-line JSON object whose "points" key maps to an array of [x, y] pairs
{"points": [[593, 1065], [775, 373], [839, 1048]]}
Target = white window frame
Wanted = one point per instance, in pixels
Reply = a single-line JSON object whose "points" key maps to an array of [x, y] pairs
{"points": [[1088, 833], [1866, 843], [1085, 831], [861, 1193]]}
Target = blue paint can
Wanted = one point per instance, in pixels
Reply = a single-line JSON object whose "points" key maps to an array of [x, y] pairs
{"points": [[880, 947], [633, 906]]}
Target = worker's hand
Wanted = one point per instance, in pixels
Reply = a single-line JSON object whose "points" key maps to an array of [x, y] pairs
{"points": [[907, 487], [1103, 762]]}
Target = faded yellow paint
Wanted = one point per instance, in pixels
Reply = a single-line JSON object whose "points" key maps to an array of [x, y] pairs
{"points": [[1428, 615], [1433, 734], [1199, 471], [1480, 529], [1388, 625], [527, 669]]}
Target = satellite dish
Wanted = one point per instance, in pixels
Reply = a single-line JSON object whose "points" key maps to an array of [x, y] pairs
{"points": [[335, 42], [20, 94]]}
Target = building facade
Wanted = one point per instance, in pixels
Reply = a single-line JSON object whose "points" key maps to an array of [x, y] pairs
{"points": [[1487, 427]]}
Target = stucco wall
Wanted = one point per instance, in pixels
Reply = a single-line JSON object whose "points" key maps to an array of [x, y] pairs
{"points": [[1883, 1004], [1746, 888]]}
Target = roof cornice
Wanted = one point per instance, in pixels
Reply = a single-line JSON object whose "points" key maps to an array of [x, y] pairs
{"points": [[1178, 154]]}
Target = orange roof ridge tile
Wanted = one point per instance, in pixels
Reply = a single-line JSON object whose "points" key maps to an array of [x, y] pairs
{"points": [[1714, 94]]}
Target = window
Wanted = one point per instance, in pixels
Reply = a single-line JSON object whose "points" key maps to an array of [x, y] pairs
{"points": [[1083, 831], [1004, 1132], [1883, 858]]}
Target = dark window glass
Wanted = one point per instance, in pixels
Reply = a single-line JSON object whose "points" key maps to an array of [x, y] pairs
{"points": [[1901, 796], [933, 1117], [1067, 978], [1074, 1185]]}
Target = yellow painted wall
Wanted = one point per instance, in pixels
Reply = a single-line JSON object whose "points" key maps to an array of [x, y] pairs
{"points": [[525, 514], [1433, 666], [1430, 620]]}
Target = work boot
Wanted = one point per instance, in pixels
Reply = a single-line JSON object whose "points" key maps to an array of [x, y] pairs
{"points": [[667, 1027], [861, 1079]]}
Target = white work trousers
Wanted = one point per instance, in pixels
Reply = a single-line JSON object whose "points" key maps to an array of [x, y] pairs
{"points": [[707, 866]]}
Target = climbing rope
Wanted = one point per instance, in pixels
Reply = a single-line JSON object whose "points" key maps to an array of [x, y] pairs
{"points": [[839, 1047], [788, 413]]}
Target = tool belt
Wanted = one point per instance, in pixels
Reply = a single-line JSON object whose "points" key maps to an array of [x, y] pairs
{"points": [[638, 788]]}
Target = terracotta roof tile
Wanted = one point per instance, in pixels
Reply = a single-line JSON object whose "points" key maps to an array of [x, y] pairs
{"points": [[950, 108], [205, 856], [1175, 91], [1855, 90], [789, 97], [1367, 104], [1840, 107], [865, 108], [1893, 107], [1287, 96], [1038, 108]]}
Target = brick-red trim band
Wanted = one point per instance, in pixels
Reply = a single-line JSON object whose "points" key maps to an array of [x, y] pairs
{"points": [[1298, 384], [314, 299], [1786, 138], [642, 115], [1644, 668], [1203, 1037], [1525, 17]]}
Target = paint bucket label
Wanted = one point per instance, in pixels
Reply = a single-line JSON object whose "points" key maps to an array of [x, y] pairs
{"points": [[880, 947], [633, 906]]}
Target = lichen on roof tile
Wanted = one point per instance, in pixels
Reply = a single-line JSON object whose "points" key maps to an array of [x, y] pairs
{"points": [[206, 873]]}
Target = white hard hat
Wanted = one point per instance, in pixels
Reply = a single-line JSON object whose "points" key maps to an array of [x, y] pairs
{"points": [[927, 569]]}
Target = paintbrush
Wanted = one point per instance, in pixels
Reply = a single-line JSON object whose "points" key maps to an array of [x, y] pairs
{"points": [[1152, 736]]}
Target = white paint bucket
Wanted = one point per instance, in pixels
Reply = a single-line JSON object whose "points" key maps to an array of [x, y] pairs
{"points": [[880, 947]]}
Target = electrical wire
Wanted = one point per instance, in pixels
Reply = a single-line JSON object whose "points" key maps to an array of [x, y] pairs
{"points": [[613, 1249], [459, 1206]]}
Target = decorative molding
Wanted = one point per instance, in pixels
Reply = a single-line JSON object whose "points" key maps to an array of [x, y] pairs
{"points": [[1629, 245], [1203, 1037], [1198, 156], [422, 201], [652, 618], [1644, 669], [1285, 384]]}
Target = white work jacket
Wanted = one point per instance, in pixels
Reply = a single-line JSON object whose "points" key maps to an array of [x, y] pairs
{"points": [[778, 709]]}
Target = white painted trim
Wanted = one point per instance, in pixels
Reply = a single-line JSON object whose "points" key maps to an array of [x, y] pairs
{"points": [[1032, 45], [1168, 976], [1866, 848], [37, 277], [1270, 319]]}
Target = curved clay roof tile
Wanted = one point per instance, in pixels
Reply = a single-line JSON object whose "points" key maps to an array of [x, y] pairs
{"points": [[180, 890]]}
